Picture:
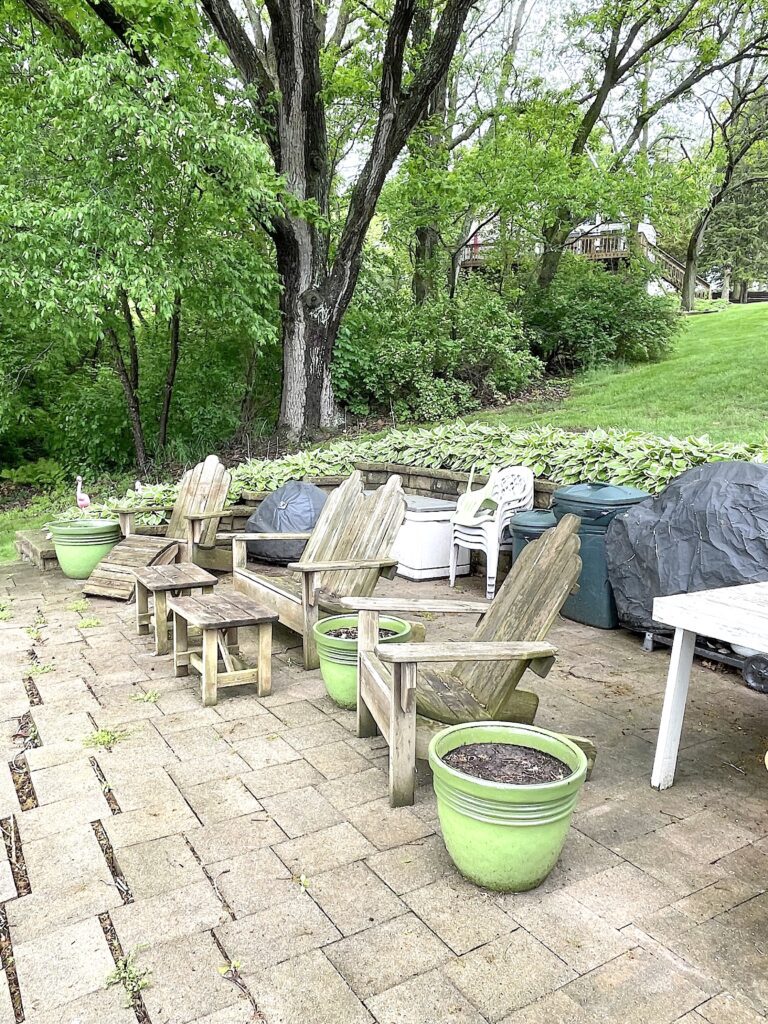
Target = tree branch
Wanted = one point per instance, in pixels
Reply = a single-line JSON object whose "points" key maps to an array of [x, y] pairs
{"points": [[119, 27], [57, 23]]}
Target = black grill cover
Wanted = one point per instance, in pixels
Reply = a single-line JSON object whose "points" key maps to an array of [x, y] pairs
{"points": [[708, 528], [292, 508]]}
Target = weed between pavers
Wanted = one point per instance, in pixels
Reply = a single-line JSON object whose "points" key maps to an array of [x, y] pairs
{"points": [[81, 605], [6, 611], [105, 739], [89, 622], [150, 697], [134, 979], [38, 669]]}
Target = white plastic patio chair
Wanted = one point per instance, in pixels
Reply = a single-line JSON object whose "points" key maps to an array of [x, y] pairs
{"points": [[482, 516]]}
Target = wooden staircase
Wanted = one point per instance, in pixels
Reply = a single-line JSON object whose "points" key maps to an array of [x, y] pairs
{"points": [[611, 248]]}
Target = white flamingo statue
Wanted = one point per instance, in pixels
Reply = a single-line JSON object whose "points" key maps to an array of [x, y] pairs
{"points": [[83, 501]]}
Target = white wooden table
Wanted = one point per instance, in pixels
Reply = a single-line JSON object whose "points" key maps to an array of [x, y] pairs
{"points": [[734, 614]]}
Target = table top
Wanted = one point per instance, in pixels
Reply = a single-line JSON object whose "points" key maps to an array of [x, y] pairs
{"points": [[222, 610], [734, 614], [176, 576]]}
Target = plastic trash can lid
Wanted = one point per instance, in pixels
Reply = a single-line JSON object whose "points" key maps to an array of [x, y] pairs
{"points": [[542, 518], [599, 495]]}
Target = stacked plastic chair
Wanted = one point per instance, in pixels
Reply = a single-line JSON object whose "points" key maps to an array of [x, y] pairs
{"points": [[482, 516]]}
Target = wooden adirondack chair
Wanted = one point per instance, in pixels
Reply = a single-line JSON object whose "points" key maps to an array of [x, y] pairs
{"points": [[192, 526], [346, 553], [404, 697]]}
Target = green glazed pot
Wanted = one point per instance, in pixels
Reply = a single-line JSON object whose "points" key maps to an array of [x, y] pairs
{"points": [[82, 543], [338, 657], [501, 836]]}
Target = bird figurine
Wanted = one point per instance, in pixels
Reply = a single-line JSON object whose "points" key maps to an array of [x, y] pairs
{"points": [[138, 487], [83, 501]]}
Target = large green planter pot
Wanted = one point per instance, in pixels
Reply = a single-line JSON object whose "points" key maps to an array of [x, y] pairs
{"points": [[338, 657], [501, 836], [82, 543]]}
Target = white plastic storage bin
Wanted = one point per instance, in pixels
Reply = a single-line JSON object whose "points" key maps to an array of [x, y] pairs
{"points": [[423, 544]]}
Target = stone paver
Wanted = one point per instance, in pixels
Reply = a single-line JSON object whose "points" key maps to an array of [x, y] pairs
{"points": [[307, 990], [63, 965], [386, 954], [259, 831], [422, 1000]]}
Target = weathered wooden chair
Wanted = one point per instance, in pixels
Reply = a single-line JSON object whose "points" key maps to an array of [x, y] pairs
{"points": [[346, 553], [405, 698], [191, 530]]}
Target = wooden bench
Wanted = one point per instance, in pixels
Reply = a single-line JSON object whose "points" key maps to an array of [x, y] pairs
{"points": [[219, 617], [179, 580], [35, 546]]}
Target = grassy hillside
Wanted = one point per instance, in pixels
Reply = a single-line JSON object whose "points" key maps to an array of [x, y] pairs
{"points": [[713, 383]]}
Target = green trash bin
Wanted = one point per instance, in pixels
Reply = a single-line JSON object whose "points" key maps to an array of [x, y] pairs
{"points": [[528, 526], [595, 504]]}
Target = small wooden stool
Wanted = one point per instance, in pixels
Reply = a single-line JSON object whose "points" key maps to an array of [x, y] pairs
{"points": [[160, 580], [219, 616]]}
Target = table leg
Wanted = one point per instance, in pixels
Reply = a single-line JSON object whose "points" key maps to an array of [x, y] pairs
{"points": [[672, 712], [161, 622], [142, 609], [180, 645], [264, 681], [210, 666]]}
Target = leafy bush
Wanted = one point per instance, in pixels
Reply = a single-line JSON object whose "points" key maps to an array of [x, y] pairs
{"points": [[431, 361], [622, 457], [588, 317]]}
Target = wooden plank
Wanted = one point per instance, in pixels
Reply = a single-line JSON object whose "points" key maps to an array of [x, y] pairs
{"points": [[375, 691], [452, 649], [414, 604], [402, 737]]}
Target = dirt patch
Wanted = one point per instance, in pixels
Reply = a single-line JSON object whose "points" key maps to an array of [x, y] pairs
{"points": [[507, 762], [8, 965], [12, 841], [114, 868], [350, 633], [106, 789], [22, 780]]}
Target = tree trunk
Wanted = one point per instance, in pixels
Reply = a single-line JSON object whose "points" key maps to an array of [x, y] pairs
{"points": [[555, 237], [688, 290], [726, 293], [131, 393], [423, 281], [174, 329]]}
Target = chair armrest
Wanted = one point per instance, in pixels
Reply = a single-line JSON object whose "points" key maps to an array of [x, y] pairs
{"points": [[262, 536], [349, 563], [138, 509], [459, 651], [414, 604], [208, 515]]}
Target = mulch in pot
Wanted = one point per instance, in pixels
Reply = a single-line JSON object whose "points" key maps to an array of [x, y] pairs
{"points": [[350, 633], [507, 762]]}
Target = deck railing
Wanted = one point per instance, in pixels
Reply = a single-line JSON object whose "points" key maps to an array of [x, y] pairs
{"points": [[603, 247]]}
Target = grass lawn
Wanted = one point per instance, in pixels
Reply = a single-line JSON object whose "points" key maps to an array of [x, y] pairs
{"points": [[713, 383]]}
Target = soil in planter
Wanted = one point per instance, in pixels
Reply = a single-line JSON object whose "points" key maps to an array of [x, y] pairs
{"points": [[507, 762], [350, 633]]}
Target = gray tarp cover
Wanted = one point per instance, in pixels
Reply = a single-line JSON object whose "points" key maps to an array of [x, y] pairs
{"points": [[708, 528], [292, 508]]}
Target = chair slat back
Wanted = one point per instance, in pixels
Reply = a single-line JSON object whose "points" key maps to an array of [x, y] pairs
{"points": [[202, 489], [528, 602], [355, 525]]}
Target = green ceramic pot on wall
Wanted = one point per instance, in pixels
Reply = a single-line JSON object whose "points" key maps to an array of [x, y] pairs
{"points": [[501, 836], [82, 543], [338, 656]]}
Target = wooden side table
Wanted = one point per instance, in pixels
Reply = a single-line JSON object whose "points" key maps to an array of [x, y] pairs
{"points": [[161, 580], [219, 617]]}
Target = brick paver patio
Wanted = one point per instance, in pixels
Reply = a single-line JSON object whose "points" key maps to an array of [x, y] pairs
{"points": [[257, 835]]}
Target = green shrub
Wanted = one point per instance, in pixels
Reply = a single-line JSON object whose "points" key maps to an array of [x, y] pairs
{"points": [[588, 317], [622, 457], [431, 361]]}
